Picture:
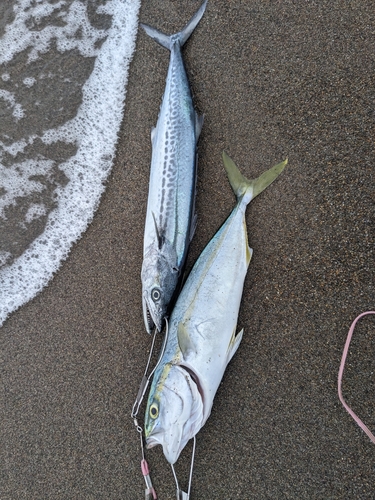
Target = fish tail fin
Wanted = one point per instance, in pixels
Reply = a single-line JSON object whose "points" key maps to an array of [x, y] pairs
{"points": [[182, 36], [249, 189], [185, 33]]}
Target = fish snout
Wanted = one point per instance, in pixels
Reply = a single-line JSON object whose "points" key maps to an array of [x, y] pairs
{"points": [[152, 315], [152, 441]]}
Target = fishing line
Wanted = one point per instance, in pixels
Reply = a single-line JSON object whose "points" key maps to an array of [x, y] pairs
{"points": [[175, 478], [145, 380], [192, 465], [341, 371], [181, 495], [150, 491]]}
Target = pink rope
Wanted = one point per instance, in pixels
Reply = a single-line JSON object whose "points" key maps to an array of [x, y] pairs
{"points": [[341, 371]]}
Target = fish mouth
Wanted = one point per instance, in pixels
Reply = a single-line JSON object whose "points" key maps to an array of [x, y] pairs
{"points": [[171, 450], [170, 455], [154, 440], [149, 322], [151, 442], [149, 318]]}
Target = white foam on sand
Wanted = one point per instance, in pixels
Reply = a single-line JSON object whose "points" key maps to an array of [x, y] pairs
{"points": [[94, 128]]}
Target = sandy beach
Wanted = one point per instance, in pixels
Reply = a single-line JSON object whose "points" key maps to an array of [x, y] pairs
{"points": [[274, 80]]}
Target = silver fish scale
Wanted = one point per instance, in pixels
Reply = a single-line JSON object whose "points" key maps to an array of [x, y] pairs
{"points": [[173, 160]]}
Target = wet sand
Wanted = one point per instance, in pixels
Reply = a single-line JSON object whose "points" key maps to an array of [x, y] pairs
{"points": [[274, 80]]}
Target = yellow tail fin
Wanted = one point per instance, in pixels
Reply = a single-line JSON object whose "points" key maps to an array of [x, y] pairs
{"points": [[241, 185]]}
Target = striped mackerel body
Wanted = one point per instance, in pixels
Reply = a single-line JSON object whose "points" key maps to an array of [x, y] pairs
{"points": [[170, 218]]}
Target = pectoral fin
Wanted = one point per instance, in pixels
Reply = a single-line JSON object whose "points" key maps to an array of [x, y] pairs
{"points": [[158, 235], [184, 341], [234, 344]]}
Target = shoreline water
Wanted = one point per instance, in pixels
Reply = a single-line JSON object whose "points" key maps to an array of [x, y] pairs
{"points": [[59, 132]]}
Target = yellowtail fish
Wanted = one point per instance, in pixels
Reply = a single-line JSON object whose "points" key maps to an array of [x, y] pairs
{"points": [[202, 328]]}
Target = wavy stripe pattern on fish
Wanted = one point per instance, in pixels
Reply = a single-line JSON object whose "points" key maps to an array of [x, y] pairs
{"points": [[170, 218]]}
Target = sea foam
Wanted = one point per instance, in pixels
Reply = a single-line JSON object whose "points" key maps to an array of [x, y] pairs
{"points": [[38, 184]]}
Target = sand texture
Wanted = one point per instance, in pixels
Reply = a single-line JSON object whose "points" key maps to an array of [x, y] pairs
{"points": [[274, 80]]}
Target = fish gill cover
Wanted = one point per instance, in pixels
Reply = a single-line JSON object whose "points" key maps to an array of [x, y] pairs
{"points": [[63, 72]]}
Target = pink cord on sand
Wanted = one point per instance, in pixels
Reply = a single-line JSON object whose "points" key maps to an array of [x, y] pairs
{"points": [[341, 371]]}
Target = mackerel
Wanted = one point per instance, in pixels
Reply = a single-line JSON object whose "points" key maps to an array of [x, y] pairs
{"points": [[170, 217]]}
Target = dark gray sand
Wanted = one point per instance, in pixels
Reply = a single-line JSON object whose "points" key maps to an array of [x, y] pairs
{"points": [[275, 79]]}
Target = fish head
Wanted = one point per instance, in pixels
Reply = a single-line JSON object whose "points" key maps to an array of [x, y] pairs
{"points": [[160, 275], [174, 412]]}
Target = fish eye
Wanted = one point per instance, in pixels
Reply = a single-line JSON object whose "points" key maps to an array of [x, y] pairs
{"points": [[155, 294], [154, 411]]}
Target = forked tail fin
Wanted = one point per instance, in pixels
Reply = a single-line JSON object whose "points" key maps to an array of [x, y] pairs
{"points": [[249, 189], [183, 35]]}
